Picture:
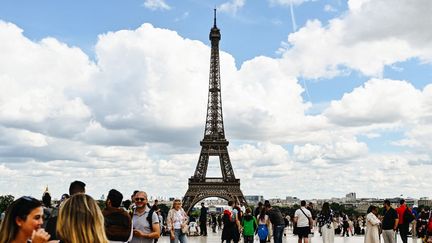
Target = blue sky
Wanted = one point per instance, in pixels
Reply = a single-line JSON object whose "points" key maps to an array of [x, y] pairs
{"points": [[313, 93]]}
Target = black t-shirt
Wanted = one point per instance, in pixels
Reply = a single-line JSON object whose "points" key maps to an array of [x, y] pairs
{"points": [[275, 216], [389, 219]]}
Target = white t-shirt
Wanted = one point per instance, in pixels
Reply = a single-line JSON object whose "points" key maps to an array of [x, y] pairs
{"points": [[302, 220]]}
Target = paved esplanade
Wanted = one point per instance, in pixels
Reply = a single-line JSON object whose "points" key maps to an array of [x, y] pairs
{"points": [[290, 238]]}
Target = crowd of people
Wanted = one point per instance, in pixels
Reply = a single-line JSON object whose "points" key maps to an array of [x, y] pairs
{"points": [[77, 218]]}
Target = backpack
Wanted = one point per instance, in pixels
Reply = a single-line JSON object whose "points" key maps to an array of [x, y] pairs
{"points": [[429, 226], [228, 214], [408, 217], [150, 217], [117, 226], [262, 232]]}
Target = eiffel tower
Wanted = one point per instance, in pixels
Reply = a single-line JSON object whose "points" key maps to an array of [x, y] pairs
{"points": [[214, 143]]}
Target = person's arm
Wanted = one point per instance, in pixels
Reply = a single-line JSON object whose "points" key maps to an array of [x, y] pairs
{"points": [[296, 216], [396, 221]]}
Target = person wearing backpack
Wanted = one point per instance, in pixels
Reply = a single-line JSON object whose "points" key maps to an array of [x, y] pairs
{"points": [[231, 225], [145, 222], [263, 225], [249, 224], [118, 224], [405, 218]]}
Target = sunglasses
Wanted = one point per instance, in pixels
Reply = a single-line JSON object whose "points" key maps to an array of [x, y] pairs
{"points": [[140, 199]]}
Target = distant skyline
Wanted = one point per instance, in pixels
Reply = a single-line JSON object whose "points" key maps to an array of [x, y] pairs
{"points": [[320, 97]]}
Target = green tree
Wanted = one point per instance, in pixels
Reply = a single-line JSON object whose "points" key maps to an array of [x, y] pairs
{"points": [[5, 201]]}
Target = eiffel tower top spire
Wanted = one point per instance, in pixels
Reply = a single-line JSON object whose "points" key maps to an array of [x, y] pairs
{"points": [[214, 129]]}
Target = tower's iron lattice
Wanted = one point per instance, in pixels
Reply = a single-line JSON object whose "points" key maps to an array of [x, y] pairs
{"points": [[214, 142]]}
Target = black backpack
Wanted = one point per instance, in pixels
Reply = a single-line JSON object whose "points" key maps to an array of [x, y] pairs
{"points": [[408, 216]]}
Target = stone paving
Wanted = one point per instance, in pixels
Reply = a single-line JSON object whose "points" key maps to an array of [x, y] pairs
{"points": [[289, 238]]}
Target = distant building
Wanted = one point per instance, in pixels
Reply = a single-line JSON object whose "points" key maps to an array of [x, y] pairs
{"points": [[254, 199], [351, 197], [424, 201]]}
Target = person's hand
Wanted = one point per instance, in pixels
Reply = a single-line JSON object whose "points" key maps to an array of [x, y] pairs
{"points": [[40, 236], [172, 235], [138, 233]]}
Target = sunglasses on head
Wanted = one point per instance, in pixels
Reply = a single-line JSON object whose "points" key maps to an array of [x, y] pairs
{"points": [[140, 199]]}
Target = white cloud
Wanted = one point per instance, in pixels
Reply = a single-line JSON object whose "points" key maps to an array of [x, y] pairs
{"points": [[156, 5], [368, 37], [232, 7], [370, 104]]}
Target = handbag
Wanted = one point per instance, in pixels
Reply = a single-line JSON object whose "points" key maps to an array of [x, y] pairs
{"points": [[295, 231], [185, 228], [256, 239]]}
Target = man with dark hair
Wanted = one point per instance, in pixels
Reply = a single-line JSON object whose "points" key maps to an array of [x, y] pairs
{"points": [[405, 217], [47, 209], [76, 187], [203, 220], [118, 225], [277, 221], [258, 209], [389, 223], [145, 221], [51, 226], [303, 218]]}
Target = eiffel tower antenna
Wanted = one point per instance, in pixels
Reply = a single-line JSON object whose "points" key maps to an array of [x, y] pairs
{"points": [[214, 142]]}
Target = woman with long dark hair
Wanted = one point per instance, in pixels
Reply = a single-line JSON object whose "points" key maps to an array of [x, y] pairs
{"points": [[263, 225], [325, 223], [23, 222], [372, 234]]}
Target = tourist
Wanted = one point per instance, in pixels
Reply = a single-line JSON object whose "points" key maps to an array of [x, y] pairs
{"points": [[47, 208], [303, 218], [74, 188], [277, 221], [23, 222], [177, 222], [258, 209], [422, 223], [219, 221], [145, 225], [345, 224], [118, 225], [80, 220], [263, 225], [249, 224], [213, 222], [203, 220], [372, 234], [404, 221], [231, 225], [325, 223], [389, 223]]}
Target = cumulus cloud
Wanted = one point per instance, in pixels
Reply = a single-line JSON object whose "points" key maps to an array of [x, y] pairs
{"points": [[156, 5], [381, 94], [369, 36]]}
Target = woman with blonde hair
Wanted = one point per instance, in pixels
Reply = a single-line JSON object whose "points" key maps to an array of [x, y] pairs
{"points": [[81, 221], [177, 223], [23, 222]]}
